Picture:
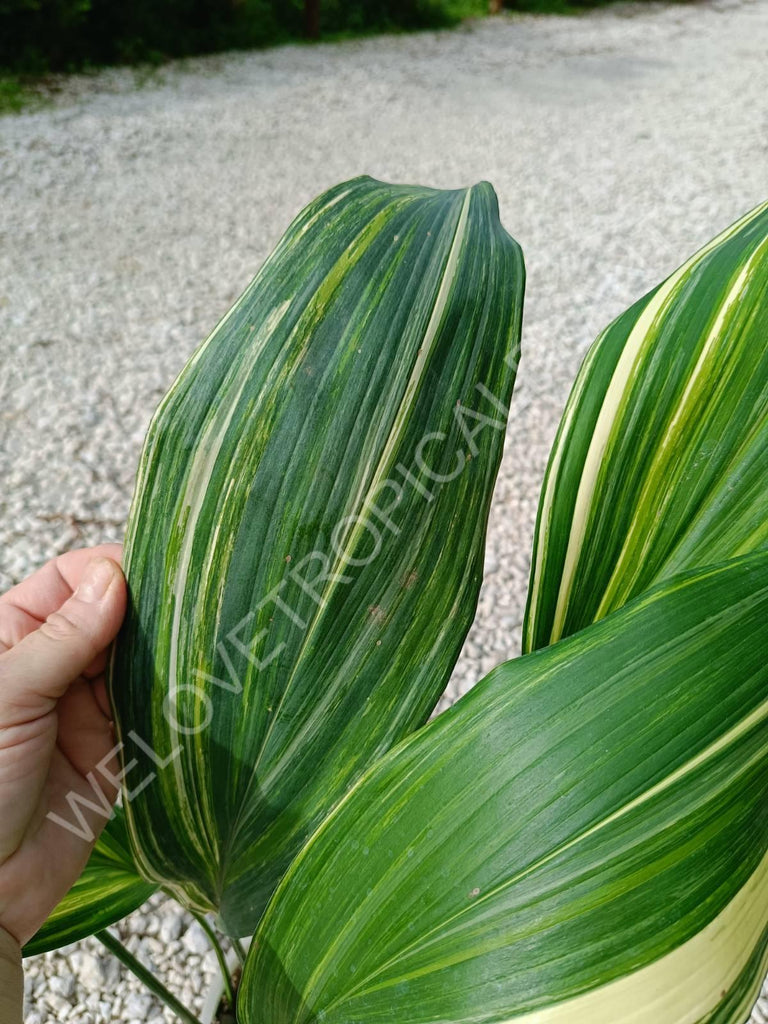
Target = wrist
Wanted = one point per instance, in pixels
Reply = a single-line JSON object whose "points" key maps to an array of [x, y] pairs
{"points": [[11, 980]]}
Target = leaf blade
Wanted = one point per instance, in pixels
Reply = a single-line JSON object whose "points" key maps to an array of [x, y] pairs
{"points": [[660, 461], [284, 543], [584, 815]]}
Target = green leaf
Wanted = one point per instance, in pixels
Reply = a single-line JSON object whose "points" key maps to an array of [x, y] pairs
{"points": [[582, 839], [108, 890], [305, 546], [661, 460]]}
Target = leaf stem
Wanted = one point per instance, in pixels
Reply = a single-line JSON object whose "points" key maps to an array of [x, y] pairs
{"points": [[229, 988], [145, 976], [239, 948]]}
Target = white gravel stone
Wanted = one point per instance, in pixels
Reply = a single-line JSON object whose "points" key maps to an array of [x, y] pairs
{"points": [[170, 928], [195, 940], [618, 142], [138, 1006], [90, 972], [62, 985]]}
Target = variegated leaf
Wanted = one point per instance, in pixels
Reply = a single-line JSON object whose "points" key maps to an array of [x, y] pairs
{"points": [[582, 839], [305, 546], [661, 460]]}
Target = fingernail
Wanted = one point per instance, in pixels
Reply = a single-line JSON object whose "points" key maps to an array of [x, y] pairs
{"points": [[95, 582]]}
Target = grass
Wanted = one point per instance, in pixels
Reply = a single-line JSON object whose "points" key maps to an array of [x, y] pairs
{"points": [[19, 92]]}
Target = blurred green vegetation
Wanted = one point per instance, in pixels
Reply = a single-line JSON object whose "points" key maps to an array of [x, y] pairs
{"points": [[16, 95], [37, 36], [65, 35]]}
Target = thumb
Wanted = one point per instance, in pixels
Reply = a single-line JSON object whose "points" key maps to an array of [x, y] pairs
{"points": [[37, 670]]}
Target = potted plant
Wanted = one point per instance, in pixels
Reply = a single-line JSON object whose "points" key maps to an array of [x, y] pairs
{"points": [[585, 831]]}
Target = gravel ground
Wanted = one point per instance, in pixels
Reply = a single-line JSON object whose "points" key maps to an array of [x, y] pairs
{"points": [[134, 209]]}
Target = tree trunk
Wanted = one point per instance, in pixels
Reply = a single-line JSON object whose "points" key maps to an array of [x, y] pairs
{"points": [[312, 18]]}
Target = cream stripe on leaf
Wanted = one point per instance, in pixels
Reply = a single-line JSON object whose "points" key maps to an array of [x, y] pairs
{"points": [[661, 460], [300, 582], [583, 838], [683, 986], [108, 890]]}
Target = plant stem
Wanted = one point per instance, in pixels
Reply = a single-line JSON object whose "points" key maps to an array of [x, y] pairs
{"points": [[146, 976], [239, 948], [229, 988]]}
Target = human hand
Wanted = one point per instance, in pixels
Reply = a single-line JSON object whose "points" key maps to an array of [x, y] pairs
{"points": [[55, 725]]}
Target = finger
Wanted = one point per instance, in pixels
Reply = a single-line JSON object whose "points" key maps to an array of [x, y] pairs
{"points": [[47, 589], [99, 688], [98, 666], [37, 671], [15, 623], [85, 735]]}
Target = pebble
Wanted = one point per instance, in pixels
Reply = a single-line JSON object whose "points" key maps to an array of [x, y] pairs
{"points": [[195, 940], [170, 928], [618, 142], [62, 985], [138, 1006]]}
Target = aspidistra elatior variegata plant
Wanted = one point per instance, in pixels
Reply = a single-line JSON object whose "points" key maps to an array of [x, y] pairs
{"points": [[305, 545], [661, 460]]}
